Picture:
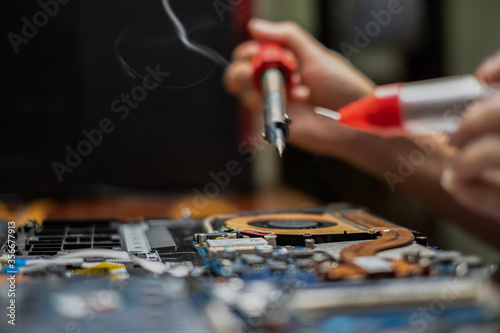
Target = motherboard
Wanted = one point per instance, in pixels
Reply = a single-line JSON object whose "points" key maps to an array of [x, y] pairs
{"points": [[336, 268]]}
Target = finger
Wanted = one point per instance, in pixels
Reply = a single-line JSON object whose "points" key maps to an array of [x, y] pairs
{"points": [[288, 34], [301, 135], [491, 176], [238, 77], [300, 93], [251, 100], [489, 70], [246, 51], [476, 157], [479, 196], [313, 133], [295, 78], [481, 118]]}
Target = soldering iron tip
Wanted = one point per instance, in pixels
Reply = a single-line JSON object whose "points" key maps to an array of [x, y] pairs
{"points": [[280, 147]]}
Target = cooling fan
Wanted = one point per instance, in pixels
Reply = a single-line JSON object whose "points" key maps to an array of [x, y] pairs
{"points": [[294, 228]]}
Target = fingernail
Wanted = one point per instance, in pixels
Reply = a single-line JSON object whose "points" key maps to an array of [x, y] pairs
{"points": [[301, 92], [260, 24], [447, 179]]}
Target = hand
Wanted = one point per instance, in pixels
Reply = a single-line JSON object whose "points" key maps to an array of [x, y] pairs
{"points": [[473, 177], [324, 79], [489, 70]]}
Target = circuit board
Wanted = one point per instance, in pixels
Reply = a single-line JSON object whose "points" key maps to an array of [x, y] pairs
{"points": [[323, 269]]}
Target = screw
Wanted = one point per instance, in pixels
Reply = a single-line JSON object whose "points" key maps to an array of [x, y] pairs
{"points": [[309, 243]]}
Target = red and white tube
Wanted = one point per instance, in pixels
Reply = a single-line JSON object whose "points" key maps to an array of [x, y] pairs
{"points": [[418, 107]]}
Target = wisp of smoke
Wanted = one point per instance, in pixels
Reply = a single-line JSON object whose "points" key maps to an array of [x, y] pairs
{"points": [[181, 33]]}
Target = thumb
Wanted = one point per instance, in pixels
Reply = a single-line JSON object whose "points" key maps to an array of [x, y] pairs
{"points": [[288, 34], [489, 70]]}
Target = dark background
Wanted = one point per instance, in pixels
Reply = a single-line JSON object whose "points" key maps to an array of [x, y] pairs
{"points": [[65, 79]]}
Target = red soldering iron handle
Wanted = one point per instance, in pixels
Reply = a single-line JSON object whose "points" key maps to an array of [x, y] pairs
{"points": [[272, 55]]}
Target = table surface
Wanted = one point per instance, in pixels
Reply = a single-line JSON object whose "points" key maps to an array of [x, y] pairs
{"points": [[129, 206]]}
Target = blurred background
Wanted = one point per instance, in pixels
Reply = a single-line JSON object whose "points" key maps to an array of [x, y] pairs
{"points": [[70, 69]]}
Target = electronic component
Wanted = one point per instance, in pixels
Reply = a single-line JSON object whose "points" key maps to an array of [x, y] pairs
{"points": [[160, 238], [227, 246], [307, 229], [59, 236], [134, 238], [289, 271]]}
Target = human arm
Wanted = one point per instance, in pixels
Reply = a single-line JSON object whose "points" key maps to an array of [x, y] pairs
{"points": [[328, 80]]}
